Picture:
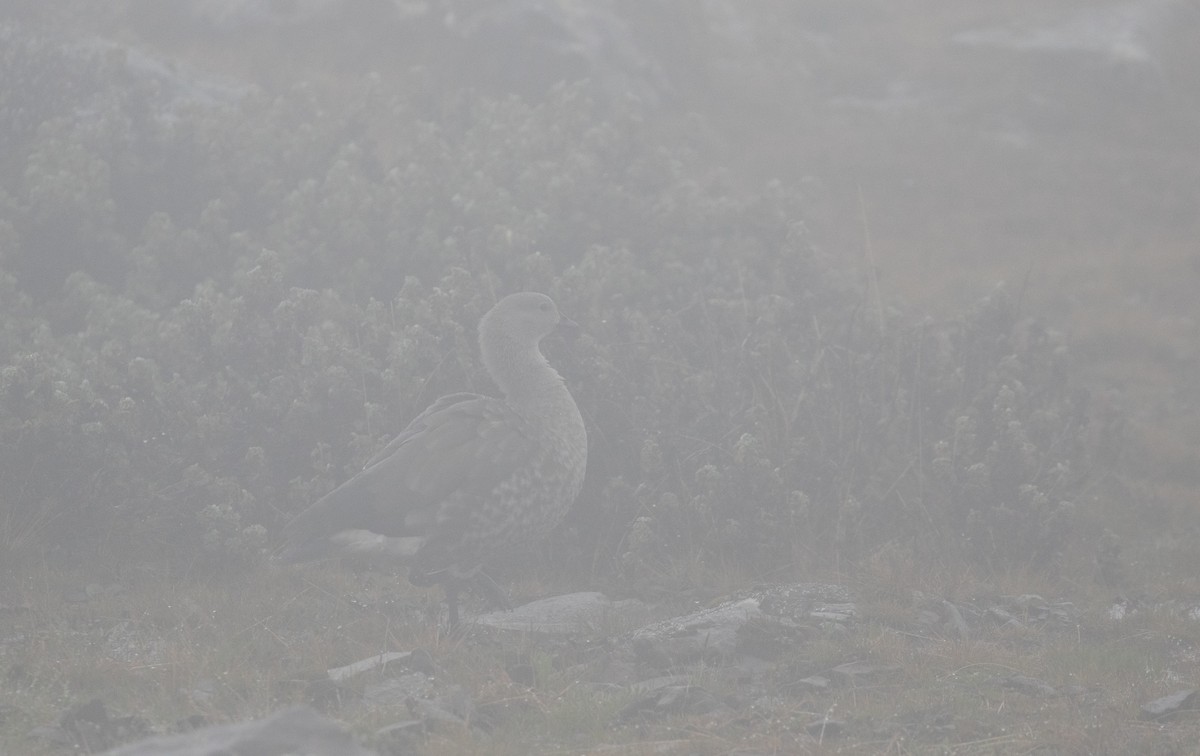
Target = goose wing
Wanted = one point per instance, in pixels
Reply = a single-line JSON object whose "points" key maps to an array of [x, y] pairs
{"points": [[458, 449]]}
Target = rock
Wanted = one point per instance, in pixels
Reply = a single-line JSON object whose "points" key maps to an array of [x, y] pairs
{"points": [[704, 634], [415, 660], [411, 677], [942, 616], [955, 620], [722, 630], [826, 728], [806, 603], [1004, 618], [1030, 685], [1036, 610], [672, 699], [561, 615], [855, 672], [299, 731], [396, 691], [1173, 706], [646, 687]]}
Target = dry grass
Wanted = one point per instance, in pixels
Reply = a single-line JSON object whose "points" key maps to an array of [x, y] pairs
{"points": [[228, 650]]}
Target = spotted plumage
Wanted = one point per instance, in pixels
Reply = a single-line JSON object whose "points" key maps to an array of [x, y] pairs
{"points": [[473, 477]]}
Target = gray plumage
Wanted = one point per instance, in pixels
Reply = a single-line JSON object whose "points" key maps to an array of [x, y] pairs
{"points": [[473, 477]]}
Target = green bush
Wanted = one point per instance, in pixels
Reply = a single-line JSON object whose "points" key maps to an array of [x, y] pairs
{"points": [[214, 313]]}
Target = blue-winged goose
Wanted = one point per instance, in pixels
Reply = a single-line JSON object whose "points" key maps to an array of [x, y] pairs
{"points": [[472, 477]]}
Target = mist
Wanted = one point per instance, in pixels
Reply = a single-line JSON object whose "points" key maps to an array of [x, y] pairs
{"points": [[856, 400]]}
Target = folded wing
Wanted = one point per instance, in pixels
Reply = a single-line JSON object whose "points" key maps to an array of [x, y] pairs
{"points": [[422, 484]]}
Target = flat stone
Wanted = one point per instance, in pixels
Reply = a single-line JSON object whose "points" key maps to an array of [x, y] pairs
{"points": [[1169, 707], [719, 632], [672, 699], [562, 615], [1030, 685], [707, 633], [407, 659]]}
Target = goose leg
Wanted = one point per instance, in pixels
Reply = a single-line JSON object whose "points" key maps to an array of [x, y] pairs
{"points": [[450, 587]]}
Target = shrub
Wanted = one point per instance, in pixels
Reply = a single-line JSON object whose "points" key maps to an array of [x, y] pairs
{"points": [[215, 314]]}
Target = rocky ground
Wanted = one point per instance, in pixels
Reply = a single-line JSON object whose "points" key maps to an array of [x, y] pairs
{"points": [[791, 668]]}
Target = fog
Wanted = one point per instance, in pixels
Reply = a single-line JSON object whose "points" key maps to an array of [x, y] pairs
{"points": [[870, 357]]}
